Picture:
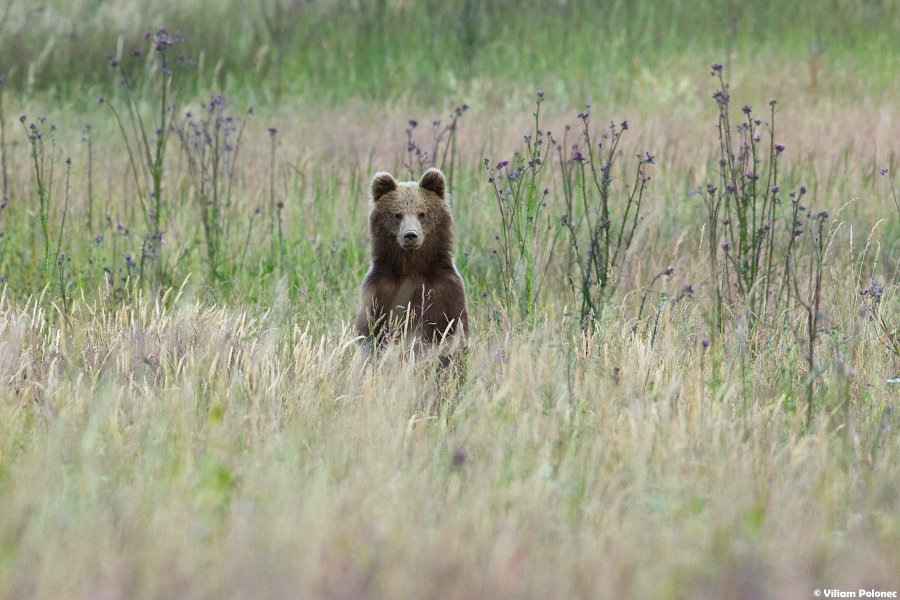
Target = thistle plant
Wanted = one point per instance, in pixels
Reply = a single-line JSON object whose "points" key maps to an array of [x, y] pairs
{"points": [[884, 173], [520, 203], [442, 143], [211, 144], [146, 80], [600, 220], [42, 163], [872, 303], [742, 213], [276, 226], [810, 299]]}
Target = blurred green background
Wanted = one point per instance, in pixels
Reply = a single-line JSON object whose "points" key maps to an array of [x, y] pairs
{"points": [[332, 51]]}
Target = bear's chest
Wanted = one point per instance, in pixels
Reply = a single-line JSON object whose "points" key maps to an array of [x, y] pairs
{"points": [[409, 291]]}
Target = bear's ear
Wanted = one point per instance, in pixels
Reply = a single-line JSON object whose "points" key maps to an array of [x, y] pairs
{"points": [[382, 183], [433, 181]]}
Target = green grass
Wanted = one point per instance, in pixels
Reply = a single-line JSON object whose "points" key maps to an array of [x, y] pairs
{"points": [[334, 51], [194, 436]]}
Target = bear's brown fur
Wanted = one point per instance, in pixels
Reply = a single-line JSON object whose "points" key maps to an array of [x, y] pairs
{"points": [[413, 286]]}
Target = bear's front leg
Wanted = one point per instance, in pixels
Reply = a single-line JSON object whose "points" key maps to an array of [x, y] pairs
{"points": [[444, 310], [373, 316]]}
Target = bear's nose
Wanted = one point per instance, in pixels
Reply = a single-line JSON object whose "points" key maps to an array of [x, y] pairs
{"points": [[410, 235]]}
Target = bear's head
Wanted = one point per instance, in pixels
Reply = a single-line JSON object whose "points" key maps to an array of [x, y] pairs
{"points": [[410, 217]]}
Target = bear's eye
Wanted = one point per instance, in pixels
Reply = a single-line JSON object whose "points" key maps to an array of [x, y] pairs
{"points": [[421, 215], [398, 216]]}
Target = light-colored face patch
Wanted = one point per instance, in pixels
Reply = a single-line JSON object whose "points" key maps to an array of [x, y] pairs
{"points": [[410, 214], [408, 209]]}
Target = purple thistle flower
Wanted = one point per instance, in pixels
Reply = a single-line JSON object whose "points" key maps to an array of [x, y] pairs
{"points": [[669, 271], [705, 343], [716, 68], [687, 288], [779, 148], [746, 109], [164, 40], [775, 189], [874, 291], [882, 171], [648, 158]]}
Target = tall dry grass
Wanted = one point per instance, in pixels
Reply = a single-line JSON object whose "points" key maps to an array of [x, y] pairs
{"points": [[179, 449]]}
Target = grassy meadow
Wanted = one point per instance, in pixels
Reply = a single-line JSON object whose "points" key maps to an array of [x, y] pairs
{"points": [[683, 374]]}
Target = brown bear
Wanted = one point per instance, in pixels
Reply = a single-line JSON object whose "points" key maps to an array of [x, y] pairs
{"points": [[413, 286]]}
